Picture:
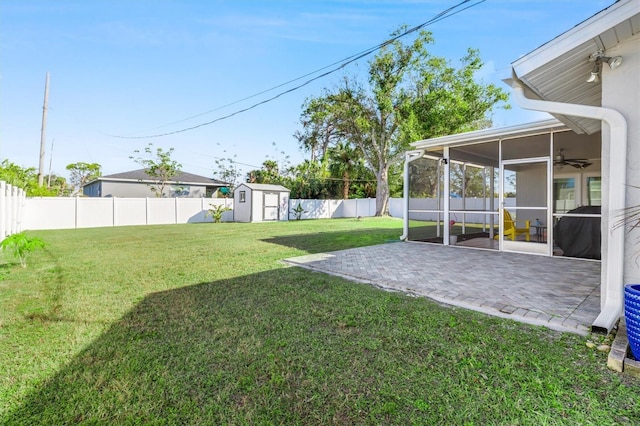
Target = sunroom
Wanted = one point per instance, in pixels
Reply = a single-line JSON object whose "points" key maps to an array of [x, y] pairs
{"points": [[536, 188], [517, 188]]}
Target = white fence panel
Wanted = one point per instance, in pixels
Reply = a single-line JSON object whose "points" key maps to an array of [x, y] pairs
{"points": [[50, 213], [12, 201], [209, 202], [129, 211], [84, 212], [349, 208], [396, 207], [191, 210], [161, 211], [478, 204], [94, 212], [335, 208]]}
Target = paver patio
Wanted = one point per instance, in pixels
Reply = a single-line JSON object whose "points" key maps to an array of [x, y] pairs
{"points": [[556, 292]]}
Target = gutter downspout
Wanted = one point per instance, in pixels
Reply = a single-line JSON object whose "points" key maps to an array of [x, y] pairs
{"points": [[409, 157], [612, 276]]}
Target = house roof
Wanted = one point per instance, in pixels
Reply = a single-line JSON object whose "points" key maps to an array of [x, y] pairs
{"points": [[558, 70], [264, 187], [493, 134], [141, 175]]}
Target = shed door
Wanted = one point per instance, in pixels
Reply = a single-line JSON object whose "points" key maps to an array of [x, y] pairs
{"points": [[271, 205]]}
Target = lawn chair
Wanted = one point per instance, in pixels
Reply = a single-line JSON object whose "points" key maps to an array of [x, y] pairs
{"points": [[510, 229]]}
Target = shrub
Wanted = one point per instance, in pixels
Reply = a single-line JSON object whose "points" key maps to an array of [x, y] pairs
{"points": [[20, 245]]}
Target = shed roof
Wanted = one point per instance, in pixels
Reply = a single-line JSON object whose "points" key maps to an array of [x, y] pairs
{"points": [[141, 175], [265, 187], [558, 70]]}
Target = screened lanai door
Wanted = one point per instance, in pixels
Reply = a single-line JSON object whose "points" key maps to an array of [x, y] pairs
{"points": [[525, 214]]}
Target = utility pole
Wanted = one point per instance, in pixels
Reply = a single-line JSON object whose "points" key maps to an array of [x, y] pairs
{"points": [[43, 132], [50, 161]]}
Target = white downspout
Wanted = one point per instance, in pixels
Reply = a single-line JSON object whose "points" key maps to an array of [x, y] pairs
{"points": [[409, 157], [611, 292], [446, 158]]}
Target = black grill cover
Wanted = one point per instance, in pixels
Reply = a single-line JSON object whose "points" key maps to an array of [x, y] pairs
{"points": [[579, 236]]}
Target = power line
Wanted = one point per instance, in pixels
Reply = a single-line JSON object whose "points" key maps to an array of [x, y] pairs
{"points": [[341, 64]]}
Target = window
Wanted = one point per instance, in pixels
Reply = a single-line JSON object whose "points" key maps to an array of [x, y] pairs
{"points": [[594, 191], [242, 196], [564, 194]]}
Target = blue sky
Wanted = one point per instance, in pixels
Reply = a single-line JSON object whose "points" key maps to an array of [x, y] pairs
{"points": [[141, 67]]}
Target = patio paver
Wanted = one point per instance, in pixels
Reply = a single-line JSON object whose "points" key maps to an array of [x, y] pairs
{"points": [[556, 292]]}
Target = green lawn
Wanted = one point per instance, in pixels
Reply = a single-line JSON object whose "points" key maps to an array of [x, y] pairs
{"points": [[201, 324]]}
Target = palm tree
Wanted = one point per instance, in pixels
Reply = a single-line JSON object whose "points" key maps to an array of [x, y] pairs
{"points": [[343, 160]]}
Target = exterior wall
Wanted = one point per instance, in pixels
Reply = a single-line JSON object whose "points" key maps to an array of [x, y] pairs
{"points": [[242, 211], [138, 190], [621, 91], [93, 189]]}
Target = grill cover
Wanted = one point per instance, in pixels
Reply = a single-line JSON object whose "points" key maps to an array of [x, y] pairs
{"points": [[579, 236]]}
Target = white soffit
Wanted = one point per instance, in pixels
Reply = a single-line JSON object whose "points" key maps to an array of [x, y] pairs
{"points": [[558, 70], [493, 134]]}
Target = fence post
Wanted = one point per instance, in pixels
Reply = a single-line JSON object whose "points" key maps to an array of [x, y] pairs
{"points": [[14, 209], [20, 207], [3, 207]]}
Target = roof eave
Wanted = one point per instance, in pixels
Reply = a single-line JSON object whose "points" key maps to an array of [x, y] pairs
{"points": [[493, 134], [578, 35]]}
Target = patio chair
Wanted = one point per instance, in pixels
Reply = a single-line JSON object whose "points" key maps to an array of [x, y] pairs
{"points": [[510, 229]]}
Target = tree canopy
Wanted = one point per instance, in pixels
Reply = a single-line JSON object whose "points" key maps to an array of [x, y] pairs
{"points": [[81, 173], [159, 166], [26, 178], [409, 95]]}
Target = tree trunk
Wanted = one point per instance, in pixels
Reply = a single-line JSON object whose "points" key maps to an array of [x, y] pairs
{"points": [[382, 193], [345, 186]]}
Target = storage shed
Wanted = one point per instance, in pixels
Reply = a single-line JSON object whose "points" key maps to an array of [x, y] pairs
{"points": [[258, 202]]}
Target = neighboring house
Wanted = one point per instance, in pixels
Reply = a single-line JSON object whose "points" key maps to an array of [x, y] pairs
{"points": [[583, 166], [137, 183]]}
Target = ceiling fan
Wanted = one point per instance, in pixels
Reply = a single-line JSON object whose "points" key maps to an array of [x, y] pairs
{"points": [[578, 163]]}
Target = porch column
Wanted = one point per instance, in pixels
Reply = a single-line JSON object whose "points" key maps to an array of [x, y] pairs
{"points": [[447, 190], [409, 157]]}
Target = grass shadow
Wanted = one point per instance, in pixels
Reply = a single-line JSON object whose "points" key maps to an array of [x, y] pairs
{"points": [[321, 242], [289, 346]]}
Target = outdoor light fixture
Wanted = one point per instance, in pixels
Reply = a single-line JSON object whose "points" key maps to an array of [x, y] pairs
{"points": [[598, 59], [595, 74]]}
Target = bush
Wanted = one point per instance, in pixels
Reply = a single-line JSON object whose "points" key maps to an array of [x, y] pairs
{"points": [[19, 245]]}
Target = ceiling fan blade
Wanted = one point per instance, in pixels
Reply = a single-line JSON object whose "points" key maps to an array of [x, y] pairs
{"points": [[579, 164]]}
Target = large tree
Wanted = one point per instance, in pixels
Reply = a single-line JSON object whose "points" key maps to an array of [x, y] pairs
{"points": [[409, 95], [81, 173], [343, 163]]}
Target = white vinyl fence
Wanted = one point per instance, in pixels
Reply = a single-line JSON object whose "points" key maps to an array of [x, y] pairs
{"points": [[12, 201], [91, 212], [331, 209]]}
